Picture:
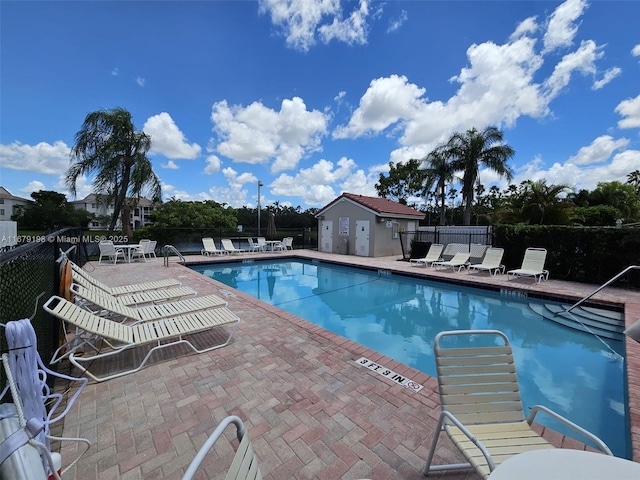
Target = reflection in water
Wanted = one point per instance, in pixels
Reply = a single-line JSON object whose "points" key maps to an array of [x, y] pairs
{"points": [[567, 370]]}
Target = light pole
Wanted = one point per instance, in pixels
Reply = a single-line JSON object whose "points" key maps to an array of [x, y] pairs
{"points": [[260, 184]]}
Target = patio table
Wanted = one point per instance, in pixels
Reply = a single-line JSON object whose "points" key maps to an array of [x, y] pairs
{"points": [[564, 463]]}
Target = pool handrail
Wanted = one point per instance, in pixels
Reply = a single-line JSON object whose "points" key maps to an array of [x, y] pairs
{"points": [[607, 283]]}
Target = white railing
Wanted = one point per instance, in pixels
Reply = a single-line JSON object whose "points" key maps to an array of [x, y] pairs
{"points": [[170, 248], [607, 283]]}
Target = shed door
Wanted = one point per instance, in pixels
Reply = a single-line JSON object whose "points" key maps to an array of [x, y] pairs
{"points": [[362, 238], [326, 236]]}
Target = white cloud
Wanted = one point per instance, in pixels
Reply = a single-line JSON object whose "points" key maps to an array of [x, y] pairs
{"points": [[635, 51], [33, 186], [351, 31], [499, 85], [141, 81], [606, 78], [630, 110], [171, 165], [213, 165], [582, 60], [40, 158], [304, 21], [527, 27], [579, 176], [386, 101], [561, 29], [115, 72], [599, 150], [314, 184], [257, 134], [396, 23], [167, 139]]}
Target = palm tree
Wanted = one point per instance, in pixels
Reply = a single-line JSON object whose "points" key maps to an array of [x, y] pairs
{"points": [[439, 171], [473, 149], [634, 179], [542, 203], [108, 146]]}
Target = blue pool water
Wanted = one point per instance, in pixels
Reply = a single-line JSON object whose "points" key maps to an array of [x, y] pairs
{"points": [[572, 372]]}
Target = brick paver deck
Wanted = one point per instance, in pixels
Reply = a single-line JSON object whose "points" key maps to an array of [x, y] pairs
{"points": [[310, 411]]}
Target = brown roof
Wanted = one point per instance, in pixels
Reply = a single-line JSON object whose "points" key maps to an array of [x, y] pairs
{"points": [[382, 206]]}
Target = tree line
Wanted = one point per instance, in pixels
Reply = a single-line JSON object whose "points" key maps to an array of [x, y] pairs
{"points": [[109, 148], [427, 184]]}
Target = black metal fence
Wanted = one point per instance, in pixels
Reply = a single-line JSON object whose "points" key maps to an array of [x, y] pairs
{"points": [[189, 241], [416, 244], [29, 275]]}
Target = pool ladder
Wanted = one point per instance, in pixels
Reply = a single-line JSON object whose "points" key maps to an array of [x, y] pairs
{"points": [[168, 249]]}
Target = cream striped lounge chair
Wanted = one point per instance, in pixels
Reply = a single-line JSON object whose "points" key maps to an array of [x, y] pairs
{"points": [[244, 465], [209, 247], [481, 409], [433, 255], [532, 265], [458, 261], [82, 350], [137, 296], [110, 306], [123, 289], [491, 262]]}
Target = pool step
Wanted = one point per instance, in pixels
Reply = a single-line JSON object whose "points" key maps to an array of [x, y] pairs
{"points": [[604, 323]]}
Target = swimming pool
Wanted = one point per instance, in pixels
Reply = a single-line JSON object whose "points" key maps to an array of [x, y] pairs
{"points": [[572, 372]]}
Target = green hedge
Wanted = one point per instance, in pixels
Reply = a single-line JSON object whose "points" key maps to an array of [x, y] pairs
{"points": [[580, 254]]}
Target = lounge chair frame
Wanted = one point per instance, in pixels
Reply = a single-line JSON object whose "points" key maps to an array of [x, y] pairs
{"points": [[228, 246], [210, 247], [91, 328], [532, 265], [459, 261], [492, 262], [124, 289], [481, 409], [245, 462], [433, 255], [110, 306]]}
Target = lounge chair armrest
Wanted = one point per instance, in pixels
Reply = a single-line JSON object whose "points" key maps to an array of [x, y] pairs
{"points": [[576, 428], [469, 435], [208, 445]]}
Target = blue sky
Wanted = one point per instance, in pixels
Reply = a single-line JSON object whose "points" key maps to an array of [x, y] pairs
{"points": [[316, 97]]}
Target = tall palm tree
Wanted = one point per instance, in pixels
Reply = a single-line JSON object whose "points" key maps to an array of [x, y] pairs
{"points": [[473, 149], [438, 171], [108, 146]]}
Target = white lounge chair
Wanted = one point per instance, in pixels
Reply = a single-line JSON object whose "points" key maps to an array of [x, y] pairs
{"points": [[114, 338], [109, 251], [84, 277], [110, 306], [210, 247], [458, 261], [244, 465], [228, 246], [532, 265], [492, 262], [481, 409], [433, 255]]}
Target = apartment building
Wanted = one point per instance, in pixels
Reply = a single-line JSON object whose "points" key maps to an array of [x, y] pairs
{"points": [[102, 212], [9, 204]]}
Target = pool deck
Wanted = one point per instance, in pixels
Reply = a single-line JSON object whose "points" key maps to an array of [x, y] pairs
{"points": [[310, 411]]}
